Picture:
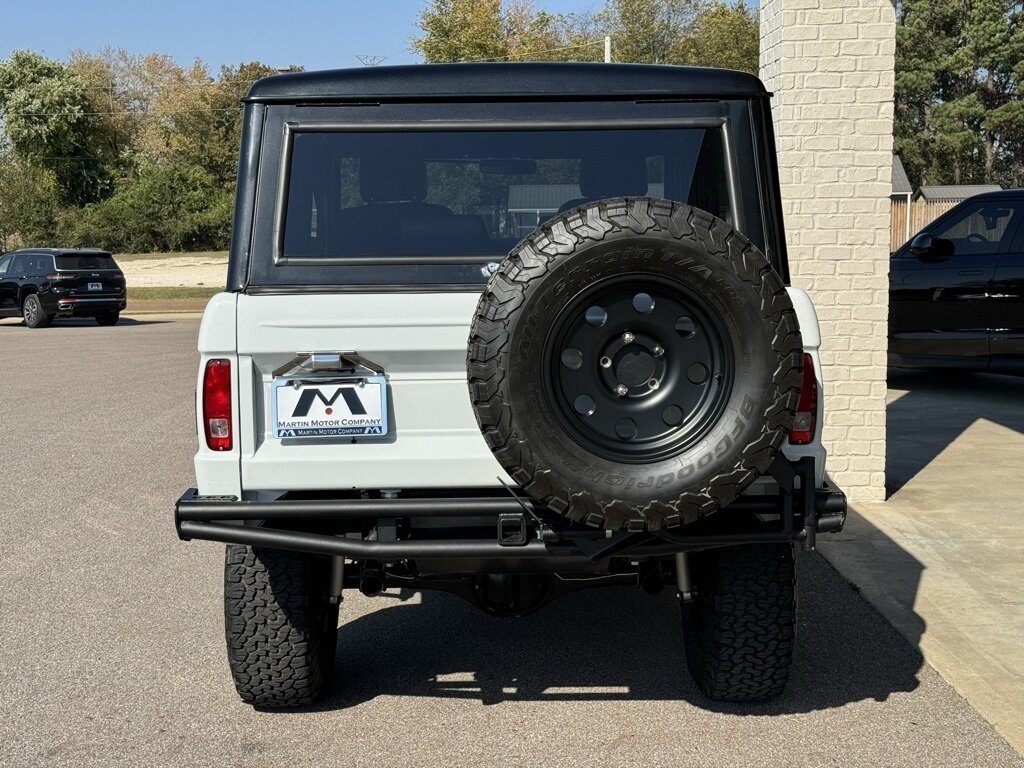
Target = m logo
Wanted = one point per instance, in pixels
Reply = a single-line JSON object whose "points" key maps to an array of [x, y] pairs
{"points": [[355, 405]]}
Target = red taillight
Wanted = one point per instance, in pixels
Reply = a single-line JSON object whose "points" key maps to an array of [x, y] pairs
{"points": [[56, 276], [217, 404], [806, 419]]}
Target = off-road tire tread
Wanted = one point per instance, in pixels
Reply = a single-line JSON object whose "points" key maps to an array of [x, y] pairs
{"points": [[741, 627], [278, 626], [488, 359]]}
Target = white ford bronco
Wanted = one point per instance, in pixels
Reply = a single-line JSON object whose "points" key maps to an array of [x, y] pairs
{"points": [[507, 331]]}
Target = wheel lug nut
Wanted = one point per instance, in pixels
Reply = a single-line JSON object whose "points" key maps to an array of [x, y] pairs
{"points": [[627, 338], [654, 383], [658, 350], [621, 390], [606, 362]]}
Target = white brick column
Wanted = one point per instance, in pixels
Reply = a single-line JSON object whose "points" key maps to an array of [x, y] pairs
{"points": [[830, 65]]}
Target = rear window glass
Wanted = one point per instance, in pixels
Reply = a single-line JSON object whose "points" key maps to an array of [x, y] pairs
{"points": [[474, 194], [90, 261]]}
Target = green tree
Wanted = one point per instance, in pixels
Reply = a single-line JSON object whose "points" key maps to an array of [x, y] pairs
{"points": [[29, 202], [46, 116], [173, 206], [209, 133], [647, 31], [959, 74], [706, 32], [462, 30], [721, 35]]}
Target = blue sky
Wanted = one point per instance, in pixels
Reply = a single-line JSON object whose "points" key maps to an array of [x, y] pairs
{"points": [[316, 35]]}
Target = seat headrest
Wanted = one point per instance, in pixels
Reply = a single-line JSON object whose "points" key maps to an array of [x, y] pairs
{"points": [[602, 177], [384, 179]]}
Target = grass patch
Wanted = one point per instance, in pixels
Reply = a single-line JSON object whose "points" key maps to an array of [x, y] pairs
{"points": [[171, 255], [171, 294]]}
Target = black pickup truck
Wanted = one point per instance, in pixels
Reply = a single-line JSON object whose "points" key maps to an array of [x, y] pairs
{"points": [[956, 290]]}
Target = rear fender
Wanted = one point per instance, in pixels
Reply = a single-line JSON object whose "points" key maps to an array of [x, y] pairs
{"points": [[218, 473], [810, 332]]}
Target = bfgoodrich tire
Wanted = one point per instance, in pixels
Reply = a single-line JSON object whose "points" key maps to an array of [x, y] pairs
{"points": [[740, 626], [635, 364], [281, 626]]}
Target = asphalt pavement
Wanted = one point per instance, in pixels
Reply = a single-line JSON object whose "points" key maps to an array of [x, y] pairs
{"points": [[112, 649]]}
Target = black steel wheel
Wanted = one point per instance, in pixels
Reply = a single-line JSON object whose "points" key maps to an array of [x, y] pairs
{"points": [[638, 367], [635, 364]]}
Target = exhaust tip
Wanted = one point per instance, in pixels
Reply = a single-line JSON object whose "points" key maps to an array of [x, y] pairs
{"points": [[650, 579], [371, 582]]}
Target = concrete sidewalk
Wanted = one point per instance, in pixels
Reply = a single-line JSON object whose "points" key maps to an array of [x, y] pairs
{"points": [[943, 558]]}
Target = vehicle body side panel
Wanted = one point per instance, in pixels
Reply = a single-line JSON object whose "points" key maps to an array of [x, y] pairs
{"points": [[1006, 342], [810, 332], [217, 472]]}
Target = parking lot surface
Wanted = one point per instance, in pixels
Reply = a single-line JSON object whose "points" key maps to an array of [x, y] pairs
{"points": [[111, 640]]}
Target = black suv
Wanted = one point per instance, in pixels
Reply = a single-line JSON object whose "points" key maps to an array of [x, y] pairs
{"points": [[956, 291], [43, 283]]}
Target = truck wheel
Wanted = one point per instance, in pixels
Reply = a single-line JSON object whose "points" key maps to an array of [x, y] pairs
{"points": [[635, 364], [281, 626], [740, 626], [33, 313]]}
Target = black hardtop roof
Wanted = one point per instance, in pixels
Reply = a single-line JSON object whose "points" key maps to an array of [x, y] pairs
{"points": [[497, 81]]}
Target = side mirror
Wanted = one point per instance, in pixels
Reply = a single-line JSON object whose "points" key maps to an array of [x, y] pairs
{"points": [[921, 246]]}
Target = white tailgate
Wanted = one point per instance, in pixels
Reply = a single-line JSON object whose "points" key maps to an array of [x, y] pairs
{"points": [[420, 341]]}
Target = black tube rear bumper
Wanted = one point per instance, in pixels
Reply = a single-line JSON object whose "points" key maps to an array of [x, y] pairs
{"points": [[299, 525]]}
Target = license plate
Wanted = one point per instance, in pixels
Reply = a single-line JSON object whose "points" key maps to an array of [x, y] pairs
{"points": [[336, 407], [95, 286]]}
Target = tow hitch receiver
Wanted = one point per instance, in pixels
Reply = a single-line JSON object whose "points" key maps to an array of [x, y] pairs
{"points": [[512, 529]]}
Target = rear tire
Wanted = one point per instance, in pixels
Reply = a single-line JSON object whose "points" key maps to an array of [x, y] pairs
{"points": [[108, 318], [33, 313], [740, 626], [281, 626]]}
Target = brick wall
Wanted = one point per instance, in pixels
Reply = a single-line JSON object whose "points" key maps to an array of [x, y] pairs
{"points": [[830, 65]]}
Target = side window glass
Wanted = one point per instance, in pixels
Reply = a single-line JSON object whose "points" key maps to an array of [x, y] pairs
{"points": [[19, 264], [5, 262], [1017, 244], [980, 229]]}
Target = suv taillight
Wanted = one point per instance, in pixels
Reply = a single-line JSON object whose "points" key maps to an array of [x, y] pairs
{"points": [[217, 404], [806, 419]]}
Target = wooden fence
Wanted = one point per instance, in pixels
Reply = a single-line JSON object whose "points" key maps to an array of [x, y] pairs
{"points": [[922, 213]]}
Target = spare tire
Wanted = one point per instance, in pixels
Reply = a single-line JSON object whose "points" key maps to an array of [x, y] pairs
{"points": [[634, 364]]}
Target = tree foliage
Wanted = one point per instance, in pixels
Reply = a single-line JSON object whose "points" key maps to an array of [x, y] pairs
{"points": [[722, 35], [648, 31], [119, 150], [960, 91], [705, 32], [48, 120], [460, 30]]}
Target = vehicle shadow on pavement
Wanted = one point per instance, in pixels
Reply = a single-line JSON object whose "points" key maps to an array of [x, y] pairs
{"points": [[610, 644], [937, 407], [78, 322]]}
